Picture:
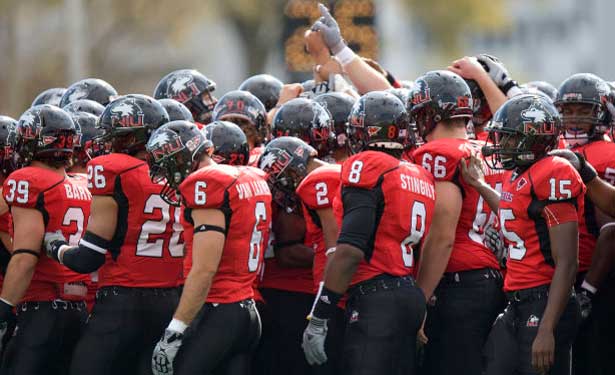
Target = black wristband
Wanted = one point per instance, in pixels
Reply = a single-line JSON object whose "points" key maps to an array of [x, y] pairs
{"points": [[586, 170], [509, 86], [6, 311], [55, 249], [326, 303]]}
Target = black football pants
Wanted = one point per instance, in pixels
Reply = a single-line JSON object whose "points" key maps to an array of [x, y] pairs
{"points": [[458, 322], [383, 317], [509, 346], [45, 338], [220, 340], [603, 316], [123, 329]]}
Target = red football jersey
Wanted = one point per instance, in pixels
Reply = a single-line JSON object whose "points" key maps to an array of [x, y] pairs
{"points": [[408, 197], [441, 158], [148, 240], [526, 234], [318, 191], [255, 155], [64, 203], [243, 195], [600, 155]]}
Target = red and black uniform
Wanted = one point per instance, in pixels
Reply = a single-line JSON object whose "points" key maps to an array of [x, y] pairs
{"points": [[143, 267], [472, 266], [52, 312], [229, 317], [387, 209], [548, 193], [255, 155]]}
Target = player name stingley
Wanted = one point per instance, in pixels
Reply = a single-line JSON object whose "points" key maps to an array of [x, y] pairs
{"points": [[418, 186], [77, 192], [252, 189]]}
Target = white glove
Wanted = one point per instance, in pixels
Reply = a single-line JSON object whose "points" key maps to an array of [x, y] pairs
{"points": [[52, 242], [314, 338], [498, 73], [165, 352], [331, 34], [495, 243]]}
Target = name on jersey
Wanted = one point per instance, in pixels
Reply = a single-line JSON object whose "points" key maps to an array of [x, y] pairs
{"points": [[506, 196], [418, 186], [77, 192], [251, 189]]}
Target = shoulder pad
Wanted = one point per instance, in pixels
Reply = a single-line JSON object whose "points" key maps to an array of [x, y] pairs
{"points": [[441, 158], [319, 188], [23, 187], [554, 179], [103, 170], [365, 168], [206, 187]]}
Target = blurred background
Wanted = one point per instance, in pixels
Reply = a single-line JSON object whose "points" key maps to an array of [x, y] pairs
{"points": [[133, 43]]}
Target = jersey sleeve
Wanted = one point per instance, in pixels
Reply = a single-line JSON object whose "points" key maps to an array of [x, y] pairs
{"points": [[22, 188], [101, 174], [441, 159], [318, 190], [364, 169], [557, 181], [205, 189]]}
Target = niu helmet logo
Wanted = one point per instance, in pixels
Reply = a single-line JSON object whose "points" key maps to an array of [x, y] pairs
{"points": [[29, 126], [421, 95], [182, 87], [127, 115], [164, 144], [538, 121]]}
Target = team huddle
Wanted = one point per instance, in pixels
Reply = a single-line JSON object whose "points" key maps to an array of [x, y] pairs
{"points": [[459, 223]]}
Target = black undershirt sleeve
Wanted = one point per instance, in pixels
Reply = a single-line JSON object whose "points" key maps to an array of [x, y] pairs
{"points": [[360, 219]]}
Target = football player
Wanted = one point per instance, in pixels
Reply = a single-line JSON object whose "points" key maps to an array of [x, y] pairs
{"points": [[265, 87], [293, 169], [87, 131], [176, 110], [247, 111], [387, 207], [49, 96], [228, 213], [134, 240], [583, 101], [49, 298], [191, 88], [455, 262], [307, 120], [90, 88], [339, 105], [540, 207], [230, 143]]}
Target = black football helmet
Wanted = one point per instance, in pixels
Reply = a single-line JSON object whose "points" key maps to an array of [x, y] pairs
{"points": [[339, 106], [481, 113], [245, 110], [85, 105], [523, 130], [90, 88], [49, 96], [176, 110], [8, 126], [545, 87], [86, 129], [192, 89], [595, 93], [440, 95], [307, 120], [127, 123], [173, 152], [229, 141], [265, 87], [45, 133], [285, 161], [401, 93], [379, 121]]}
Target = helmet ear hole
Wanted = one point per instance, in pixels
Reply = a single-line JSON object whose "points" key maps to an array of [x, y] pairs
{"points": [[437, 118]]}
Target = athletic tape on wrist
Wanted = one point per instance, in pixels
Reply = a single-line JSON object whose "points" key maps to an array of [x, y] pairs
{"points": [[346, 55]]}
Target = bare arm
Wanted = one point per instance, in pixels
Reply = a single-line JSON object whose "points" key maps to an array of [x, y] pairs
{"points": [[29, 230], [329, 226], [472, 172], [341, 267], [441, 238], [290, 252], [602, 194], [207, 250], [103, 217], [468, 67]]}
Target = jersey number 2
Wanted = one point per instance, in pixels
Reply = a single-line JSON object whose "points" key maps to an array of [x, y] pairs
{"points": [[156, 227]]}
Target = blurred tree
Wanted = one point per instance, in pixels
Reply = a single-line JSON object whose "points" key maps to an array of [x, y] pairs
{"points": [[446, 21]]}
